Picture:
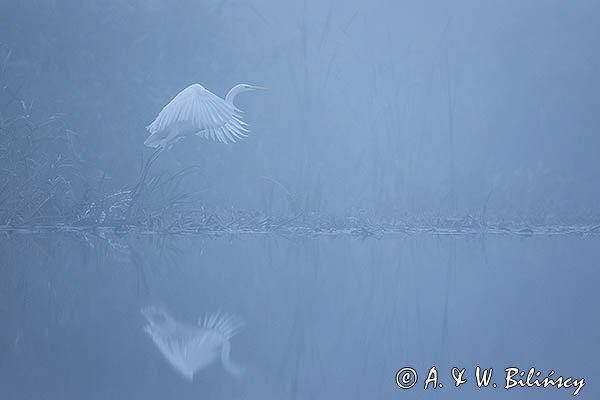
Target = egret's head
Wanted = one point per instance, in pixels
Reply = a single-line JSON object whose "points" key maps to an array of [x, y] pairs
{"points": [[240, 88], [247, 87]]}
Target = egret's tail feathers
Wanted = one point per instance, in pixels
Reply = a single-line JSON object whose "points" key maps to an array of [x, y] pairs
{"points": [[152, 141], [226, 324]]}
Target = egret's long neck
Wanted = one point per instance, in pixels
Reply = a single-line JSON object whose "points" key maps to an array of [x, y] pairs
{"points": [[237, 89]]}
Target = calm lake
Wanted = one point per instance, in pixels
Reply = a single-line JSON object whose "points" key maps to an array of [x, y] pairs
{"points": [[324, 317]]}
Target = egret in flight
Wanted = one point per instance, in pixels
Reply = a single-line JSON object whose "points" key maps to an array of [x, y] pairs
{"points": [[197, 111]]}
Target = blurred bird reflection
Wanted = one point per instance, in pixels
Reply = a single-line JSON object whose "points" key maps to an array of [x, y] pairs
{"points": [[189, 348]]}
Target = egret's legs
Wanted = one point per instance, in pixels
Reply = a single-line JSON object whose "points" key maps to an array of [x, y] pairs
{"points": [[137, 188]]}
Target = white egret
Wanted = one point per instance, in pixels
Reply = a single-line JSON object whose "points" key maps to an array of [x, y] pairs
{"points": [[190, 348], [197, 111]]}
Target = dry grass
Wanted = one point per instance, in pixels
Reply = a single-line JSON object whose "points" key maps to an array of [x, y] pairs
{"points": [[39, 166]]}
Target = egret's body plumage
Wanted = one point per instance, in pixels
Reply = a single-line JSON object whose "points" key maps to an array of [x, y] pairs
{"points": [[197, 111]]}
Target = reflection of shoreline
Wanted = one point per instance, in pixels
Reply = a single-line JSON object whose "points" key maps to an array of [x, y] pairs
{"points": [[189, 348]]}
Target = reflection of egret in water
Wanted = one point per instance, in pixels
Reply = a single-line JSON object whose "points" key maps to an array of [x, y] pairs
{"points": [[189, 348]]}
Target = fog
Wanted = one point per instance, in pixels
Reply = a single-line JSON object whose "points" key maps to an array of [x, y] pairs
{"points": [[385, 108], [418, 188]]}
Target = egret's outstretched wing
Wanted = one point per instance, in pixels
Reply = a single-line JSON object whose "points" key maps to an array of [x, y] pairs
{"points": [[206, 114]]}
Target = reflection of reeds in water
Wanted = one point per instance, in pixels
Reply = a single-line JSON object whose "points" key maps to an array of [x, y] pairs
{"points": [[189, 348]]}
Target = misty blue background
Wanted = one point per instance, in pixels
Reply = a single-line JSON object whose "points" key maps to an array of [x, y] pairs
{"points": [[384, 107], [387, 109]]}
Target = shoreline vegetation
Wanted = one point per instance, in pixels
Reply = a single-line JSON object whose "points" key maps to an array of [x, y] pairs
{"points": [[256, 224], [47, 185]]}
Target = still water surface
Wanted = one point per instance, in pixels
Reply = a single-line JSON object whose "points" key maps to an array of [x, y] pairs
{"points": [[324, 317]]}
